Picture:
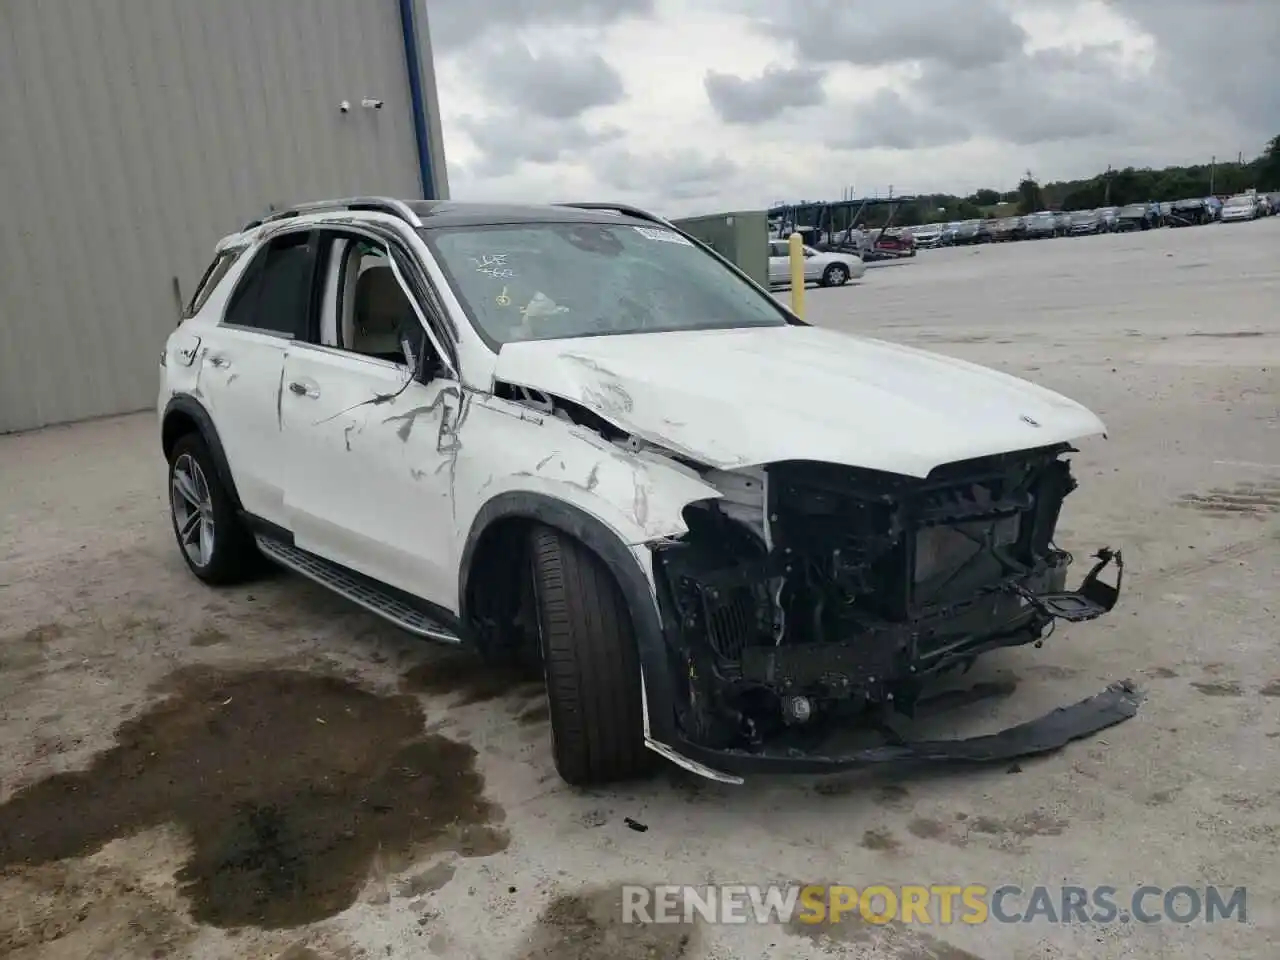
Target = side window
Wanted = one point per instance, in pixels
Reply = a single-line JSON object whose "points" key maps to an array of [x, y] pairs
{"points": [[275, 293], [372, 307], [213, 275]]}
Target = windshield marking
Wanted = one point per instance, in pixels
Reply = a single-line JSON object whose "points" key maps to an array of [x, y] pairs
{"points": [[666, 236], [494, 265]]}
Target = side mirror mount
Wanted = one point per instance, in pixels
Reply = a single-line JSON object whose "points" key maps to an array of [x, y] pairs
{"points": [[410, 353], [417, 355]]}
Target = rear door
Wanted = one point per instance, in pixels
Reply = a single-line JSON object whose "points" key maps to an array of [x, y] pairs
{"points": [[242, 362]]}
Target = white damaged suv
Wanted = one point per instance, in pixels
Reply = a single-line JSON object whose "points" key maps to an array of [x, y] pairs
{"points": [[574, 437]]}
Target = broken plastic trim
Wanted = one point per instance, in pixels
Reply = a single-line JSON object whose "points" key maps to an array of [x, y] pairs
{"points": [[1091, 600], [1117, 703]]}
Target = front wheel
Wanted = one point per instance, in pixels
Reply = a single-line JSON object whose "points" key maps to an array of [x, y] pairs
{"points": [[213, 540], [836, 275], [590, 662]]}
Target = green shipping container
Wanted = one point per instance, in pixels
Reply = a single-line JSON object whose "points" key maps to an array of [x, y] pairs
{"points": [[741, 236]]}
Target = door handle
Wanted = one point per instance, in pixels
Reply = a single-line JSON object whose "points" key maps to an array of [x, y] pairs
{"points": [[303, 389]]}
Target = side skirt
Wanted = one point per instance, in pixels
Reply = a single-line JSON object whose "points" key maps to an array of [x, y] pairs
{"points": [[409, 613]]}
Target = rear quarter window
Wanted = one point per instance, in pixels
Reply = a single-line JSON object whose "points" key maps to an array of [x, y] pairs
{"points": [[213, 275]]}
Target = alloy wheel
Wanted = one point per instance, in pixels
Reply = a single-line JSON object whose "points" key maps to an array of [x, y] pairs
{"points": [[192, 506]]}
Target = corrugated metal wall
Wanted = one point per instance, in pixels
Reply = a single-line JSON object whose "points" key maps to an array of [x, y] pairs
{"points": [[134, 134]]}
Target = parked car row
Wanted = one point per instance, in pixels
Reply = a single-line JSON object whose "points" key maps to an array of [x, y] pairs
{"points": [[1133, 216]]}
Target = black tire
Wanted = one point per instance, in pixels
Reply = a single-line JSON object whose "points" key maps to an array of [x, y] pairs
{"points": [[836, 275], [590, 662], [234, 557]]}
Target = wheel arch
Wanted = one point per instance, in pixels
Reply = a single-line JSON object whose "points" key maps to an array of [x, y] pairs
{"points": [[515, 510], [185, 414]]}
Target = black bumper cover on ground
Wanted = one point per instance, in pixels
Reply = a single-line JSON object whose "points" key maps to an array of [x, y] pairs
{"points": [[1116, 704]]}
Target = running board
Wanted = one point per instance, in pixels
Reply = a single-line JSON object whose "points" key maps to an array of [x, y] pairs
{"points": [[356, 589]]}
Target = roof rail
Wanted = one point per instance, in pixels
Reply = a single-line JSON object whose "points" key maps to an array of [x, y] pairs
{"points": [[620, 208], [397, 208]]}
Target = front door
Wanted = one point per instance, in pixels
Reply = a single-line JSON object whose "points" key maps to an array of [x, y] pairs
{"points": [[369, 451]]}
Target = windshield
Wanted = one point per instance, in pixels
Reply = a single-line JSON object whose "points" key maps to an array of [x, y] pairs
{"points": [[1240, 202], [1134, 209], [1083, 216], [545, 281]]}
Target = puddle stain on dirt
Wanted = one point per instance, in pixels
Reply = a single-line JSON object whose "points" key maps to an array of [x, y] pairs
{"points": [[537, 714], [288, 785], [1219, 688], [888, 939], [882, 840], [430, 880], [589, 925], [1245, 499], [208, 637], [470, 678]]}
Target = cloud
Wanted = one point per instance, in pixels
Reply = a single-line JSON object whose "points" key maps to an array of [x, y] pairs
{"points": [[507, 140], [740, 100], [888, 121], [689, 106], [958, 33], [454, 24], [681, 174], [1040, 97], [1216, 56], [557, 85]]}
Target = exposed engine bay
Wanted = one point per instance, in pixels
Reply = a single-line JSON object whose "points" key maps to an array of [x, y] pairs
{"points": [[810, 591], [813, 589]]}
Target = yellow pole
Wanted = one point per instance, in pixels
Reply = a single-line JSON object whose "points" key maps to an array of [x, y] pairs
{"points": [[797, 275]]}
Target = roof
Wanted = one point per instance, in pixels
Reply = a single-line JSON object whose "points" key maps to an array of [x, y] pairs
{"points": [[451, 213]]}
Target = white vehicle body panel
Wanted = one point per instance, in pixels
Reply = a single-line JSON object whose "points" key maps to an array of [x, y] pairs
{"points": [[507, 447], [240, 380], [236, 375], [734, 398], [367, 484]]}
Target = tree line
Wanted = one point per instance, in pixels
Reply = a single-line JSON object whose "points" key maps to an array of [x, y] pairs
{"points": [[1112, 188]]}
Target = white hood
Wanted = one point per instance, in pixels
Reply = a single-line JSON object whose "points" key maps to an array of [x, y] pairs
{"points": [[735, 398]]}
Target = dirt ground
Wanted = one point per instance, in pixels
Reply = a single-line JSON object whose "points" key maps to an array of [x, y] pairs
{"points": [[267, 771]]}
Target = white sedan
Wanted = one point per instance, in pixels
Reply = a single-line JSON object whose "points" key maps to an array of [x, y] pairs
{"points": [[824, 269]]}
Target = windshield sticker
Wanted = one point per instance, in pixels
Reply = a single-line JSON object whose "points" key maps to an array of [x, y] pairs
{"points": [[666, 236], [493, 265]]}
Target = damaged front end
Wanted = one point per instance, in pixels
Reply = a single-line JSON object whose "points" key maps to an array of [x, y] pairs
{"points": [[812, 593]]}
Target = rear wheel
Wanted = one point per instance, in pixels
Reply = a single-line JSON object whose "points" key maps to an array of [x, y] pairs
{"points": [[836, 275], [590, 661], [214, 542]]}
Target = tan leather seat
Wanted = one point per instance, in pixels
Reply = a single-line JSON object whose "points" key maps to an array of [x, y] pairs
{"points": [[381, 309]]}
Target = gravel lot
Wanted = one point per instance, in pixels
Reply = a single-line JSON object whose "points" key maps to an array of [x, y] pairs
{"points": [[267, 772]]}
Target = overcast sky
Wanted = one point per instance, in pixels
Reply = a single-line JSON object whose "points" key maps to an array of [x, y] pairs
{"points": [[693, 106]]}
